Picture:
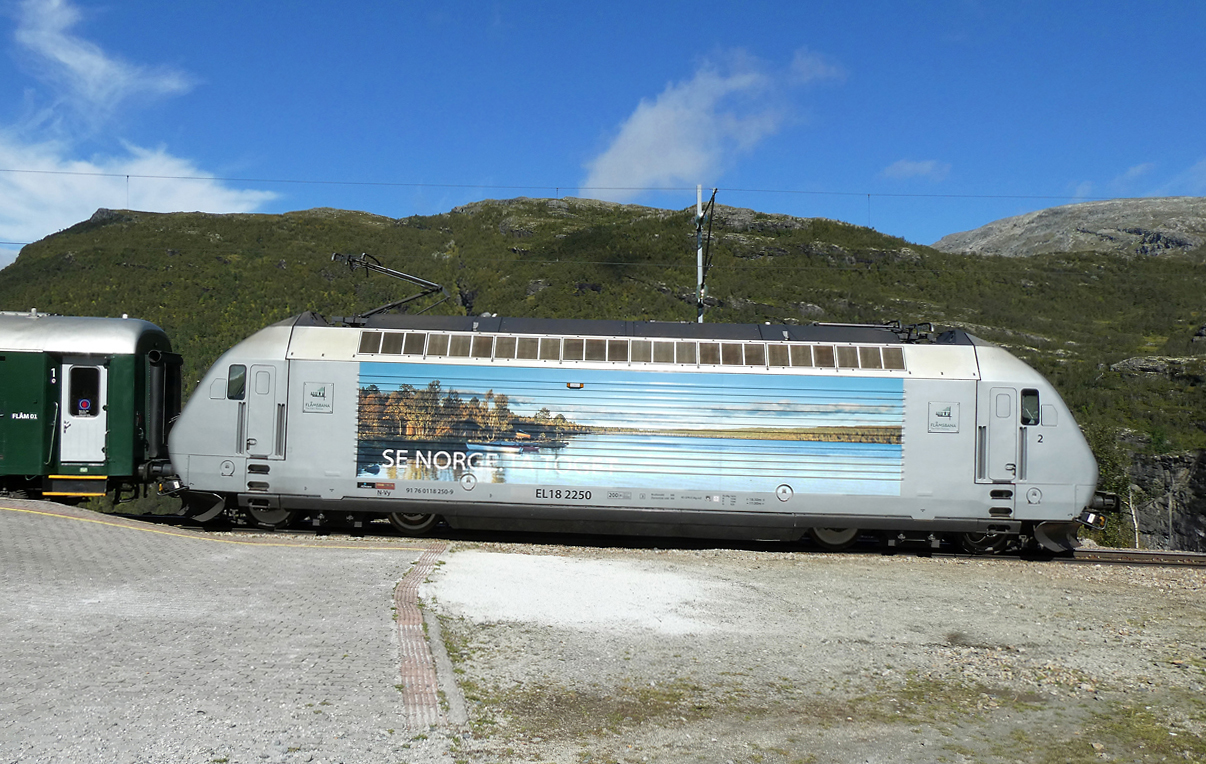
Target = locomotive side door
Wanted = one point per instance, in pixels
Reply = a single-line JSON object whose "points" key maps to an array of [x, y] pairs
{"points": [[83, 423], [997, 431], [265, 415]]}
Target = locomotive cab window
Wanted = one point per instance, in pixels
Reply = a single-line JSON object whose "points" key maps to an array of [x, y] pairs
{"points": [[84, 386], [1030, 407], [236, 382]]}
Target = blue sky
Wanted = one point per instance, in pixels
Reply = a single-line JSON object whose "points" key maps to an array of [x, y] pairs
{"points": [[920, 119]]}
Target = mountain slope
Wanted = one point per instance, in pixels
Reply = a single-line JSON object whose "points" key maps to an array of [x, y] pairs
{"points": [[1118, 226], [211, 280]]}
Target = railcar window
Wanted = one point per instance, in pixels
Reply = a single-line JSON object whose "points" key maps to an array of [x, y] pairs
{"points": [[869, 358], [894, 358], [684, 352], [84, 389], [529, 347], [482, 345], [822, 355], [550, 348], [663, 352], [414, 343], [573, 349], [504, 347], [778, 355], [801, 355], [437, 344], [1030, 407], [236, 382], [755, 354], [1004, 406], [391, 343], [642, 351], [709, 353], [596, 350], [370, 342], [617, 350], [730, 354], [459, 344], [847, 357]]}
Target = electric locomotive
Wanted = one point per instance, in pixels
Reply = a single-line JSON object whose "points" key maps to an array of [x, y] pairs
{"points": [[85, 404], [717, 430]]}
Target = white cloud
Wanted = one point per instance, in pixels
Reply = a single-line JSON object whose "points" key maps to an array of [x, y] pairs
{"points": [[44, 186], [903, 169], [693, 130], [85, 77], [54, 191], [808, 66]]}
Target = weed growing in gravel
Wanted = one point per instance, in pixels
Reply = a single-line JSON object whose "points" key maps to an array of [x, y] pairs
{"points": [[1134, 733]]}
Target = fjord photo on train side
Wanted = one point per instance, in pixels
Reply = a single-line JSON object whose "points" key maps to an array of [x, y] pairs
{"points": [[465, 383]]}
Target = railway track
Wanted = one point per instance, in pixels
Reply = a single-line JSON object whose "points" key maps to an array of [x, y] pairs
{"points": [[1136, 557], [1090, 555]]}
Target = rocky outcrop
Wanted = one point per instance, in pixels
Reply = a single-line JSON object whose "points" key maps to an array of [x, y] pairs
{"points": [[1168, 498], [1191, 369], [1142, 227]]}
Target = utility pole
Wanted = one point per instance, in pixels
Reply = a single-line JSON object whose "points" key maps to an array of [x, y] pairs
{"points": [[701, 290]]}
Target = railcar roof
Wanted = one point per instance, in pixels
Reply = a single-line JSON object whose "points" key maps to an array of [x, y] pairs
{"points": [[866, 334], [40, 332]]}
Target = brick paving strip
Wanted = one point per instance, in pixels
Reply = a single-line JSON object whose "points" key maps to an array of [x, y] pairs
{"points": [[420, 686]]}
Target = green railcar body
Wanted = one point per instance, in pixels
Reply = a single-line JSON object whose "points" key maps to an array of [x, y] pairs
{"points": [[85, 404]]}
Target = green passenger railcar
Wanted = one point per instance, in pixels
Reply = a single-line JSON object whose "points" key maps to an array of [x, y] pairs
{"points": [[85, 404]]}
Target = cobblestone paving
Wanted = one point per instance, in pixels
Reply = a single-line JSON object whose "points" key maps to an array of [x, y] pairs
{"points": [[130, 643]]}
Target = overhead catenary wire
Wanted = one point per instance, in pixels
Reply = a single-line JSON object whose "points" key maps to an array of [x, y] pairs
{"points": [[556, 189]]}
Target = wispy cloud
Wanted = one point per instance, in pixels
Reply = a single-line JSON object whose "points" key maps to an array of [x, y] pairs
{"points": [[85, 77], [694, 129], [1189, 182], [45, 186], [930, 169]]}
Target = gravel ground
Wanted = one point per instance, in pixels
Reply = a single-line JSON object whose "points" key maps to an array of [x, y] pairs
{"points": [[124, 642], [600, 655]]}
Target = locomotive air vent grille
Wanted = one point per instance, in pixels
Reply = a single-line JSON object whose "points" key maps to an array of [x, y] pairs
{"points": [[1001, 494], [682, 352]]}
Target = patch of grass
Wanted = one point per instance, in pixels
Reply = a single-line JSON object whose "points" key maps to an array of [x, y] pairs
{"points": [[1133, 733]]}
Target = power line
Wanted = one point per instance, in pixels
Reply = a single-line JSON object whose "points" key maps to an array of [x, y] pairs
{"points": [[555, 189]]}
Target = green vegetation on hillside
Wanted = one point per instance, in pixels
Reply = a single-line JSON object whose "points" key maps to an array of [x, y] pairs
{"points": [[210, 280]]}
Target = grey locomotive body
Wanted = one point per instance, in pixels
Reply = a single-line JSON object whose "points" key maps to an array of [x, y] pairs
{"points": [[646, 428]]}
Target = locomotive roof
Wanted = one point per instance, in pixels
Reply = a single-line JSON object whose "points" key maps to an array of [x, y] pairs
{"points": [[866, 334], [40, 332]]}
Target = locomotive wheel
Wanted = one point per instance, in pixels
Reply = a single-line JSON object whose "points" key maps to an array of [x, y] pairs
{"points": [[834, 539], [983, 543], [412, 523], [270, 518]]}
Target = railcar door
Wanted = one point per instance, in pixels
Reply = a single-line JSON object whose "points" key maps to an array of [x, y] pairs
{"points": [[998, 435], [265, 416], [83, 423]]}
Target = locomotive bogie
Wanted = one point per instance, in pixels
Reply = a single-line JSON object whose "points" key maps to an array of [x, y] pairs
{"points": [[679, 429]]}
